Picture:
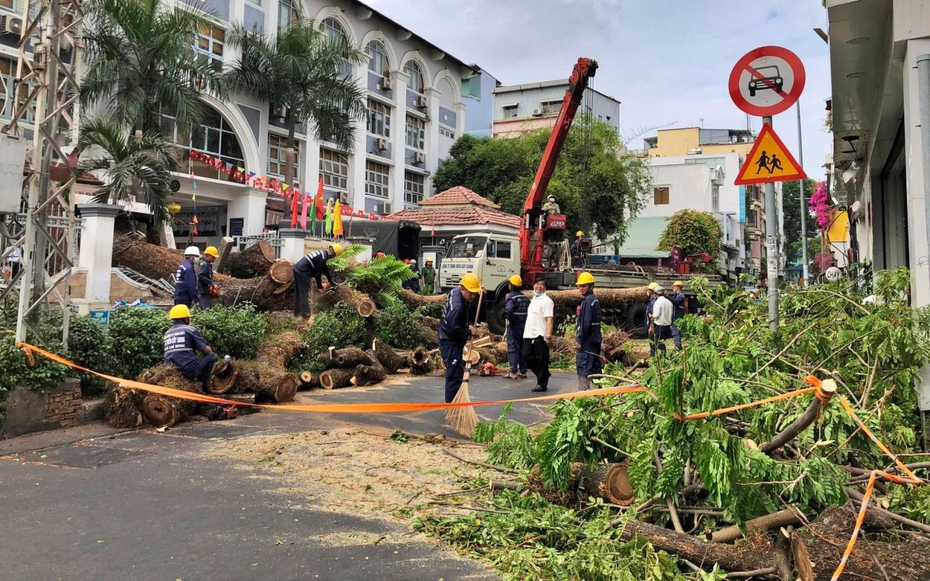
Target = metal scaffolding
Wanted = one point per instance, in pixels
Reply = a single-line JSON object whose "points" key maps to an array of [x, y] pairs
{"points": [[47, 89]]}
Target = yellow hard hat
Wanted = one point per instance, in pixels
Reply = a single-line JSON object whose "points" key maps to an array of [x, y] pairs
{"points": [[211, 251], [515, 280], [679, 283], [337, 248], [471, 283], [585, 278], [579, 234], [179, 312], [652, 285]]}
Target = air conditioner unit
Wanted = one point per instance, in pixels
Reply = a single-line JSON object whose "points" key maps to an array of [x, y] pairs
{"points": [[381, 144], [419, 157], [10, 24], [538, 112], [279, 111], [422, 102], [343, 197], [384, 208], [385, 83]]}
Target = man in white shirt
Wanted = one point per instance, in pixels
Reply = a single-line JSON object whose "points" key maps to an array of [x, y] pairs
{"points": [[13, 259], [662, 321], [537, 334]]}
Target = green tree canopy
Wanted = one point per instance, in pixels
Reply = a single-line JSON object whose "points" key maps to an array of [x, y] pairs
{"points": [[791, 202], [694, 232], [597, 188]]}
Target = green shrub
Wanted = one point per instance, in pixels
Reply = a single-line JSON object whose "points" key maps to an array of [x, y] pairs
{"points": [[235, 331], [17, 372], [398, 327], [89, 346], [340, 326], [431, 310], [138, 340]]}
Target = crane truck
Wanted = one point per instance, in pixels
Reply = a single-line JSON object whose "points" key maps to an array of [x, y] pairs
{"points": [[540, 250]]}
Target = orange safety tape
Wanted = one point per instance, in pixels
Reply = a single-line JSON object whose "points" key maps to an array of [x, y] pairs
{"points": [[737, 408]]}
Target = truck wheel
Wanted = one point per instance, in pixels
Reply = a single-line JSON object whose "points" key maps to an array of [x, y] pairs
{"points": [[497, 324]]}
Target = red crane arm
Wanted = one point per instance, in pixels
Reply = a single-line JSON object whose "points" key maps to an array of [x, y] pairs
{"points": [[531, 253]]}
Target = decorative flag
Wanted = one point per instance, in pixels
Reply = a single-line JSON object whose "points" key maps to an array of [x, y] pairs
{"points": [[328, 229], [303, 209], [294, 194], [432, 225], [317, 207], [337, 220]]}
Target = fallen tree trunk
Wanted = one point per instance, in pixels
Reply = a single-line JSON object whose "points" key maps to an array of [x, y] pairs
{"points": [[260, 291], [420, 362], [251, 262], [389, 358], [323, 300], [282, 271], [610, 482], [346, 357], [308, 380], [415, 301], [224, 377], [608, 297], [162, 411], [613, 346], [121, 407], [782, 518], [368, 375], [336, 378], [826, 391], [277, 349], [266, 382]]}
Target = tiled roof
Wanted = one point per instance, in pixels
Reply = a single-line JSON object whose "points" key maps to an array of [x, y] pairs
{"points": [[459, 196], [469, 216]]}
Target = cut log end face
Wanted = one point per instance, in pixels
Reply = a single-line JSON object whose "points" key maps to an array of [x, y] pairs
{"points": [[282, 272], [618, 487], [287, 388], [224, 377], [159, 411]]}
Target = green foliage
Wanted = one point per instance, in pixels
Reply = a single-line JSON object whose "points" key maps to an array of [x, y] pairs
{"points": [[398, 327], [381, 279], [339, 326], [694, 232], [509, 443], [431, 310], [399, 437], [531, 538], [235, 331], [791, 196], [341, 262], [912, 502], [592, 182], [89, 346], [18, 373], [137, 337]]}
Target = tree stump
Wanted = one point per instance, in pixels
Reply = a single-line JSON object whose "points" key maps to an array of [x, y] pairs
{"points": [[389, 358], [251, 262], [336, 378], [613, 346]]}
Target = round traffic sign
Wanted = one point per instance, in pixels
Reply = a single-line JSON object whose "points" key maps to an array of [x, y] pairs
{"points": [[767, 80]]}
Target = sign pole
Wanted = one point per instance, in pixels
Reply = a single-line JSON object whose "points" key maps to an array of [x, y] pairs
{"points": [[771, 246], [804, 270]]}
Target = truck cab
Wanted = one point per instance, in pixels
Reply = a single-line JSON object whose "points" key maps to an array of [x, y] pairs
{"points": [[493, 258]]}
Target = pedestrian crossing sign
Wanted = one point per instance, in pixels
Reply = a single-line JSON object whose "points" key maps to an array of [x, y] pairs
{"points": [[769, 161]]}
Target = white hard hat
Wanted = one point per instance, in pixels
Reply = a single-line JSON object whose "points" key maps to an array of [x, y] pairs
{"points": [[192, 251]]}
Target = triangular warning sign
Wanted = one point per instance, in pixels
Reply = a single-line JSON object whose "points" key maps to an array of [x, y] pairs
{"points": [[769, 161]]}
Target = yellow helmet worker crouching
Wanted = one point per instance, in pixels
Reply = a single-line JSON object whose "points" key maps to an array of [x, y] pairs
{"points": [[337, 248]]}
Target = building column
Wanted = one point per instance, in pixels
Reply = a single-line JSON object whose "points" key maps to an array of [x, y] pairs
{"points": [[250, 208], [96, 252], [432, 138], [292, 243], [459, 109], [399, 138], [311, 171]]}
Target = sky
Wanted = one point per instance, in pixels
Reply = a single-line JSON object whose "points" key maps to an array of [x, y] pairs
{"points": [[666, 61]]}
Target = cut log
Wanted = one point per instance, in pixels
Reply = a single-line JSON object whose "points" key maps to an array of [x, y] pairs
{"points": [[782, 518], [613, 346], [251, 262], [500, 351], [472, 356], [324, 300], [415, 301], [282, 271], [226, 247], [308, 380], [350, 357], [430, 338], [610, 482], [430, 323], [336, 378], [224, 377], [368, 375], [389, 358], [269, 384], [608, 297], [161, 411], [420, 362], [827, 389], [277, 349], [121, 407]]}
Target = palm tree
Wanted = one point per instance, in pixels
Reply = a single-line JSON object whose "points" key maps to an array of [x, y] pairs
{"points": [[134, 165], [141, 63], [300, 70]]}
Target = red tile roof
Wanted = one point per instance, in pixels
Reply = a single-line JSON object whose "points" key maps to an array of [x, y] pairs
{"points": [[459, 196], [474, 215]]}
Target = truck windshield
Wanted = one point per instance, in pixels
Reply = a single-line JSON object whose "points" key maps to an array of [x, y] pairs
{"points": [[466, 247]]}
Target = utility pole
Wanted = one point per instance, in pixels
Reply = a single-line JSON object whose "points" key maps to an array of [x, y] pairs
{"points": [[771, 245], [804, 269], [51, 72]]}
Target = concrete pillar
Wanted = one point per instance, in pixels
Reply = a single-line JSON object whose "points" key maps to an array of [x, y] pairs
{"points": [[399, 139], [432, 138], [250, 207], [292, 247], [96, 252]]}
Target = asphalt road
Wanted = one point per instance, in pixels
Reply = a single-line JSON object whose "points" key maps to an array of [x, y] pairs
{"points": [[91, 503]]}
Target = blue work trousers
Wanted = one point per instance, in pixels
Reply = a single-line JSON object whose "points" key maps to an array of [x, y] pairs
{"points": [[588, 362], [200, 370], [515, 350], [451, 352], [676, 337]]}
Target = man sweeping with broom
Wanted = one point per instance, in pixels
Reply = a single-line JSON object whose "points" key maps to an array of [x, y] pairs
{"points": [[454, 331]]}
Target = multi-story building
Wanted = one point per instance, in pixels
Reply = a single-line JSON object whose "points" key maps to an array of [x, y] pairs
{"points": [[523, 108], [418, 98], [697, 140]]}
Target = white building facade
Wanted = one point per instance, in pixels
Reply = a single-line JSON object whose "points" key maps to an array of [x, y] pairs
{"points": [[531, 106]]}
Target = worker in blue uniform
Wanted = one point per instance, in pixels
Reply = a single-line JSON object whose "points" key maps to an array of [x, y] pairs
{"points": [[455, 329], [678, 311], [182, 343], [515, 308], [185, 279], [588, 335], [651, 296], [307, 268]]}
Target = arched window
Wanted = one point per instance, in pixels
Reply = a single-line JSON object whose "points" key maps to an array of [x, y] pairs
{"points": [[416, 76], [335, 32], [378, 62], [215, 137]]}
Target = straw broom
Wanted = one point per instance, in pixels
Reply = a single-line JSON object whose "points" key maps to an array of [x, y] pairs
{"points": [[464, 419]]}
